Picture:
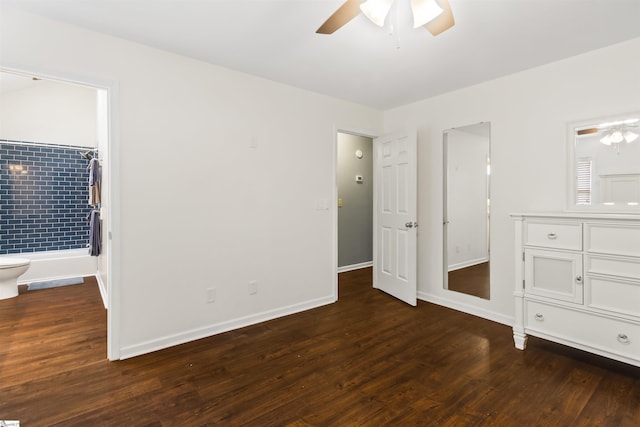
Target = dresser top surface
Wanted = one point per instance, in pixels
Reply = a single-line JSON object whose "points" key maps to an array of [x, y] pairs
{"points": [[578, 215]]}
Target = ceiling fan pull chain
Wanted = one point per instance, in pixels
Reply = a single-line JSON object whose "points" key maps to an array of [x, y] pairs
{"points": [[393, 25], [397, 25]]}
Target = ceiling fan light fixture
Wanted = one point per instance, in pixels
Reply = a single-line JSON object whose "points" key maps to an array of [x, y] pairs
{"points": [[435, 16], [616, 137], [630, 136], [606, 140], [424, 11], [376, 10]]}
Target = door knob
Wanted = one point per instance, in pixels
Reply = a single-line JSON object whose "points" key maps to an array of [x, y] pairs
{"points": [[408, 224]]}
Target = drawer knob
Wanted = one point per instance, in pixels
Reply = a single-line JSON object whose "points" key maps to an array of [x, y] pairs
{"points": [[539, 317], [552, 236], [623, 339]]}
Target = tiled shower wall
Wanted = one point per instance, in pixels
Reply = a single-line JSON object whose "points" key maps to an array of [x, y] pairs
{"points": [[43, 198]]}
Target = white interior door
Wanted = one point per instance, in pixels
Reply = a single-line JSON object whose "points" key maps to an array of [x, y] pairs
{"points": [[395, 201]]}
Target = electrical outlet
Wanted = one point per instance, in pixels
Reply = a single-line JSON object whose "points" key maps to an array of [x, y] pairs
{"points": [[253, 287], [211, 295]]}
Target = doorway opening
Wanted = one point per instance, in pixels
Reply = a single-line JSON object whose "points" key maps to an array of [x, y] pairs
{"points": [[393, 210], [355, 201], [65, 124]]}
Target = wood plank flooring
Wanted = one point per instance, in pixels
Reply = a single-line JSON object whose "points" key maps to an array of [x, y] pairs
{"points": [[473, 280], [367, 360]]}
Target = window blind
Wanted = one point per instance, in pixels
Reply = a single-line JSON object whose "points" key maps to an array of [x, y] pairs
{"points": [[583, 184]]}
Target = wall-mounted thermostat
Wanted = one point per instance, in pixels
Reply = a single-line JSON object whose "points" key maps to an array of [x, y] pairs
{"points": [[359, 179]]}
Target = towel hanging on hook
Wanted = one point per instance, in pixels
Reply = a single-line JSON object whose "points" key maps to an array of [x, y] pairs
{"points": [[95, 233], [94, 182]]}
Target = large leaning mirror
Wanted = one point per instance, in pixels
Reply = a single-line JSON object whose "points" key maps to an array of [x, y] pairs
{"points": [[467, 209], [604, 170]]}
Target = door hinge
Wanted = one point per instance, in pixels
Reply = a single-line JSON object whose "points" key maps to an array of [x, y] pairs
{"points": [[522, 283], [522, 256]]}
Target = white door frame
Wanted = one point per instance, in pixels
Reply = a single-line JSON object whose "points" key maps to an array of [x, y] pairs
{"points": [[334, 203], [113, 198]]}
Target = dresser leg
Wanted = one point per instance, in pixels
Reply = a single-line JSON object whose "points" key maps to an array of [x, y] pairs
{"points": [[520, 339]]}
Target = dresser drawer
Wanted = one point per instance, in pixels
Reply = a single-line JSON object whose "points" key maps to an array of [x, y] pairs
{"points": [[602, 333], [558, 235], [622, 267], [614, 239], [611, 294]]}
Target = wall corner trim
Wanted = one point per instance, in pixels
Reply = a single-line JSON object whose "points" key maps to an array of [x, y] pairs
{"points": [[352, 267]]}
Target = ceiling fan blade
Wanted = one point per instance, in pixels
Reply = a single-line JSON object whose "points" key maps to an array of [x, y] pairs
{"points": [[345, 13], [442, 22], [587, 131]]}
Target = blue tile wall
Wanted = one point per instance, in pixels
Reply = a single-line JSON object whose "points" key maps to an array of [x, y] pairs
{"points": [[43, 198]]}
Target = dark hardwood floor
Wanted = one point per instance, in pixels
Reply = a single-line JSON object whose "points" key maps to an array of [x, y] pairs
{"points": [[473, 280], [367, 360]]}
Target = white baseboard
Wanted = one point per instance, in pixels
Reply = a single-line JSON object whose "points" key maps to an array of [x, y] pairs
{"points": [[467, 308], [196, 334], [103, 290], [352, 267], [467, 263]]}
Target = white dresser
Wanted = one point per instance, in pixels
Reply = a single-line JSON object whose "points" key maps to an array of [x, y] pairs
{"points": [[578, 282]]}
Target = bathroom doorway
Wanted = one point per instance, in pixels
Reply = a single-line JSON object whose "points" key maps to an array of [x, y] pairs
{"points": [[62, 120]]}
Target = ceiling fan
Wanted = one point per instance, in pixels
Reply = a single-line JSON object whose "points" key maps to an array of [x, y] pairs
{"points": [[436, 17], [615, 132]]}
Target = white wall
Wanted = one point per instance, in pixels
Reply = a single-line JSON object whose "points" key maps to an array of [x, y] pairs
{"points": [[49, 113], [529, 113], [199, 208]]}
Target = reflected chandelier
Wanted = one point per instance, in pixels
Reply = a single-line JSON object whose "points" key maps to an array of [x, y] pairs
{"points": [[619, 132]]}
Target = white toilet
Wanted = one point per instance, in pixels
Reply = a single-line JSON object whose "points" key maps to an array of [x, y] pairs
{"points": [[10, 269]]}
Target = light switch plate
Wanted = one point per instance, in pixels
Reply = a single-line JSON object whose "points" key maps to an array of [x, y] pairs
{"points": [[321, 204]]}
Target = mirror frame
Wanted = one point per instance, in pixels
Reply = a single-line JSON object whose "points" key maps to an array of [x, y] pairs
{"points": [[445, 199], [572, 128]]}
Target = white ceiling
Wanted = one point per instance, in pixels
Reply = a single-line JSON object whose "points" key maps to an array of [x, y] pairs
{"points": [[276, 39]]}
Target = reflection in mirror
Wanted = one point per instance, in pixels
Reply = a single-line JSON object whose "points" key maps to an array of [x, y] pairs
{"points": [[467, 209], [606, 164]]}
